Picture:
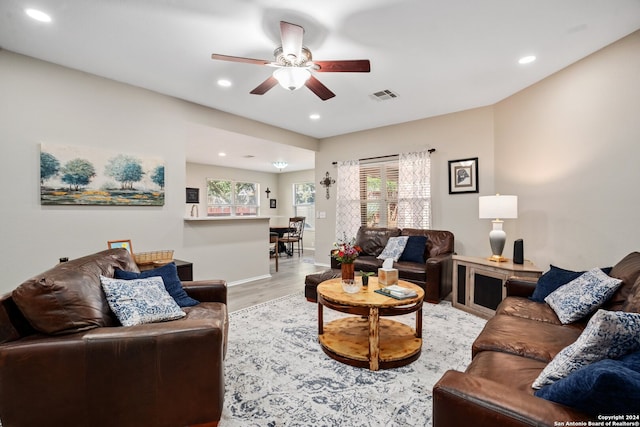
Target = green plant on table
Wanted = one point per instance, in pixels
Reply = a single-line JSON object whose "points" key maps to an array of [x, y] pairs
{"points": [[365, 277]]}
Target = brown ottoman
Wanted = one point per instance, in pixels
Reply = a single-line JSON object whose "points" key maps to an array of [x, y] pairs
{"points": [[312, 281]]}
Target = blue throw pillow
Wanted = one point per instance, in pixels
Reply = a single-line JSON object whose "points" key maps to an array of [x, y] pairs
{"points": [[604, 387], [631, 361], [172, 284], [414, 250], [553, 279]]}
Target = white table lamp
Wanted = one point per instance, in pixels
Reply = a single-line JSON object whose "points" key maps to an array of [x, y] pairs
{"points": [[497, 208]]}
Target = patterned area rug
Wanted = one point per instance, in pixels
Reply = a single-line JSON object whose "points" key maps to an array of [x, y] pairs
{"points": [[276, 374]]}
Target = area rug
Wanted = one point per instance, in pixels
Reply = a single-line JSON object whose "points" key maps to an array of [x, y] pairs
{"points": [[276, 374]]}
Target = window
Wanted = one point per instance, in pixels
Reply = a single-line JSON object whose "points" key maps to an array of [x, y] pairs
{"points": [[231, 198], [393, 191], [304, 199], [379, 193]]}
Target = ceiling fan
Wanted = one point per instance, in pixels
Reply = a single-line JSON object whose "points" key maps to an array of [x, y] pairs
{"points": [[294, 65]]}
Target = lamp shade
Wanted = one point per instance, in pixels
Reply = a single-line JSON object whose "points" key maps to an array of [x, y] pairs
{"points": [[292, 78], [498, 206]]}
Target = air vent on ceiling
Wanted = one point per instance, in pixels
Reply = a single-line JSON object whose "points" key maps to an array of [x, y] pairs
{"points": [[384, 95], [248, 156]]}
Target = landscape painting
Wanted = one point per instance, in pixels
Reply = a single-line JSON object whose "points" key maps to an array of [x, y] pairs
{"points": [[71, 175]]}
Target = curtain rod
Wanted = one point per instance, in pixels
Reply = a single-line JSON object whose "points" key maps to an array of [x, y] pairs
{"points": [[430, 150]]}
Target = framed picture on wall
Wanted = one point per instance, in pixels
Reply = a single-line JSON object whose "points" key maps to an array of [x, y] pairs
{"points": [[463, 176], [193, 195], [272, 203], [99, 177], [112, 244]]}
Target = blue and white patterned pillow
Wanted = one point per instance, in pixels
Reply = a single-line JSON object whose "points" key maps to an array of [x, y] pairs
{"points": [[582, 295], [395, 247], [608, 335], [139, 301], [172, 283]]}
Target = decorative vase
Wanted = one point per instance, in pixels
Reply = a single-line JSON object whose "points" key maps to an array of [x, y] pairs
{"points": [[348, 271], [365, 281]]}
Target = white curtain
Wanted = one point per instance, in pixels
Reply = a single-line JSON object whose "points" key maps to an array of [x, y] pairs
{"points": [[414, 190], [348, 200]]}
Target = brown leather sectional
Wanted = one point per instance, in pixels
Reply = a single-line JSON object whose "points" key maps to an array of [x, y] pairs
{"points": [[65, 361], [433, 275], [509, 354]]}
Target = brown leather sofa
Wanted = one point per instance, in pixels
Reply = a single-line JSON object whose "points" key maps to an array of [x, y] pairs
{"points": [[509, 354], [433, 275], [86, 370]]}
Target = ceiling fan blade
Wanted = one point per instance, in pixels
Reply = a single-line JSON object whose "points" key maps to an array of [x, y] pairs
{"points": [[240, 59], [319, 89], [291, 36], [348, 66], [265, 86]]}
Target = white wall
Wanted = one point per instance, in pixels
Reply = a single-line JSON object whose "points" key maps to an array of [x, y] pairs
{"points": [[226, 245], [454, 136], [569, 147], [44, 103]]}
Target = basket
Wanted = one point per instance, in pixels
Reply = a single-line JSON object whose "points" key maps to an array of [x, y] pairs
{"points": [[154, 257]]}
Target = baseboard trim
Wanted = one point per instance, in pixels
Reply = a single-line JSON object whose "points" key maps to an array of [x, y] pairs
{"points": [[250, 279]]}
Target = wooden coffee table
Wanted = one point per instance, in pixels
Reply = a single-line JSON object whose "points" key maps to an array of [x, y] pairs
{"points": [[369, 339]]}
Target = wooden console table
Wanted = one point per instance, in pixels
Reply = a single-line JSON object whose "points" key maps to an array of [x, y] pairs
{"points": [[478, 284]]}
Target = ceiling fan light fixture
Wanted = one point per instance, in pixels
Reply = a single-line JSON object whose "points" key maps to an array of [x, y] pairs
{"points": [[294, 65], [292, 78]]}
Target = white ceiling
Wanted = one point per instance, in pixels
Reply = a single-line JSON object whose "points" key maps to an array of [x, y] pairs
{"points": [[437, 56]]}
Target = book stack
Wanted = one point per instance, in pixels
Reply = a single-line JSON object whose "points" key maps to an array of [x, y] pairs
{"points": [[397, 292]]}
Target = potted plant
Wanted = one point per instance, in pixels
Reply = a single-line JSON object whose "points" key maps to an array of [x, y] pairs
{"points": [[365, 277], [346, 252]]}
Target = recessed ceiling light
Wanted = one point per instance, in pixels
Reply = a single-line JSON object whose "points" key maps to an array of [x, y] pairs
{"points": [[527, 59], [314, 116], [222, 154], [224, 83], [38, 15]]}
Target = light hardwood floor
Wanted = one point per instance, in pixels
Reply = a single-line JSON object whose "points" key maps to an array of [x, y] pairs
{"points": [[289, 279]]}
